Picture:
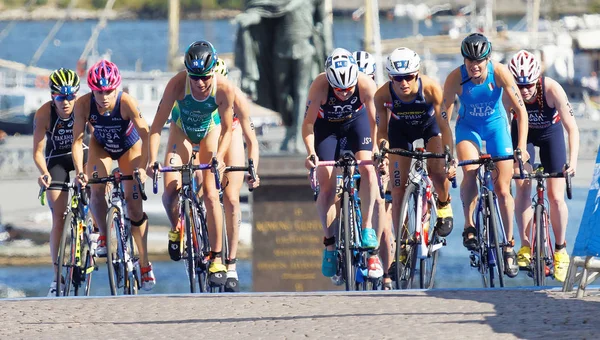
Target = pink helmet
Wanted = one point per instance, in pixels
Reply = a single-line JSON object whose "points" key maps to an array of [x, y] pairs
{"points": [[525, 67], [104, 76]]}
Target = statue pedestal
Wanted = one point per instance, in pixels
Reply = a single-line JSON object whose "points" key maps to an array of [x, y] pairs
{"points": [[287, 236]]}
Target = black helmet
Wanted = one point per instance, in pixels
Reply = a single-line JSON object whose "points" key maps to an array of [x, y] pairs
{"points": [[476, 47], [200, 57]]}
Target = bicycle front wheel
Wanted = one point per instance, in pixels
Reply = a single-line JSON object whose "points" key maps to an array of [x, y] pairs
{"points": [[349, 272], [495, 239], [115, 258], [191, 245], [65, 260], [406, 240], [539, 257]]}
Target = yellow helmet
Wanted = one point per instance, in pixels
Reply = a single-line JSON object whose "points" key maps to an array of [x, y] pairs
{"points": [[63, 81], [221, 67]]}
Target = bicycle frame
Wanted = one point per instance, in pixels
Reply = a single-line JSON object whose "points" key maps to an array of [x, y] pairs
{"points": [[489, 254], [348, 235], [539, 234], [124, 262]]}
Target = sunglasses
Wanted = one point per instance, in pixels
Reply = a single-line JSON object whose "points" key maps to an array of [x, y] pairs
{"points": [[337, 89], [408, 78], [526, 86], [63, 97], [197, 77]]}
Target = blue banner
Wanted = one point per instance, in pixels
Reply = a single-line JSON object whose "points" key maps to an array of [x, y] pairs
{"points": [[588, 237]]}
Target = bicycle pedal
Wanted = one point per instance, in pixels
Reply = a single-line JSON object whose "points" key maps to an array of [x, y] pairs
{"points": [[474, 261]]}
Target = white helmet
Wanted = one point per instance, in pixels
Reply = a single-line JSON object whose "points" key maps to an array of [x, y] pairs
{"points": [[365, 62], [341, 69], [525, 67], [402, 61]]}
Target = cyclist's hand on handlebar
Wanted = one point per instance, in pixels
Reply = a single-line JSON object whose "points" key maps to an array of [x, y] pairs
{"points": [[311, 162], [452, 170], [524, 155], [142, 174], [252, 184], [45, 180], [150, 170], [570, 170], [81, 179]]}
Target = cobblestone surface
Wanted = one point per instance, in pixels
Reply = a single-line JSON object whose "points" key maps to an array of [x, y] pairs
{"points": [[441, 314]]}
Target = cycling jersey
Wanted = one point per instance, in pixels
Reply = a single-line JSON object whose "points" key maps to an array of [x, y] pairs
{"points": [[544, 132], [410, 121], [481, 116], [115, 134], [196, 118], [342, 122], [59, 139]]}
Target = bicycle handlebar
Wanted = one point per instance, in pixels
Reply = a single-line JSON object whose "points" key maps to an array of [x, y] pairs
{"points": [[539, 175], [520, 160], [484, 159], [118, 177]]}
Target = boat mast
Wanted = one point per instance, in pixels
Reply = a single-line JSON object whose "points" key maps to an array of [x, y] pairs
{"points": [[173, 65], [372, 36], [99, 27], [51, 35]]}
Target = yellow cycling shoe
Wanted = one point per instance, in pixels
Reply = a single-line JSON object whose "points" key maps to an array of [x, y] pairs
{"points": [[445, 219], [217, 274], [561, 265], [524, 256]]}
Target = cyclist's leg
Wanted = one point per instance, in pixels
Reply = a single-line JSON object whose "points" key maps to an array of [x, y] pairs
{"points": [[326, 147], [57, 195], [179, 152], [468, 146], [100, 162], [214, 213], [128, 162], [387, 242], [553, 156], [231, 199], [498, 143], [399, 170], [359, 141], [523, 210], [437, 169]]}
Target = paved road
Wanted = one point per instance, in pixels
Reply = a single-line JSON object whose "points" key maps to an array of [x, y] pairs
{"points": [[442, 314]]}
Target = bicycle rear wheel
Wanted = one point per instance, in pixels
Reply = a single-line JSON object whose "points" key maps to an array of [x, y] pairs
{"points": [[496, 249], [539, 257], [66, 257], [406, 242], [191, 245]]}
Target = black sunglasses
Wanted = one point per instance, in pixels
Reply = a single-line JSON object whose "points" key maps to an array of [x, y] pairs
{"points": [[196, 77], [408, 77]]}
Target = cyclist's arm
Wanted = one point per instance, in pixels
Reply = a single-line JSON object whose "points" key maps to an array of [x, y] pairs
{"points": [[132, 112], [172, 90], [451, 90], [367, 94], [506, 80], [41, 124], [441, 117], [558, 99], [225, 98], [381, 97], [242, 110], [313, 104], [81, 112]]}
